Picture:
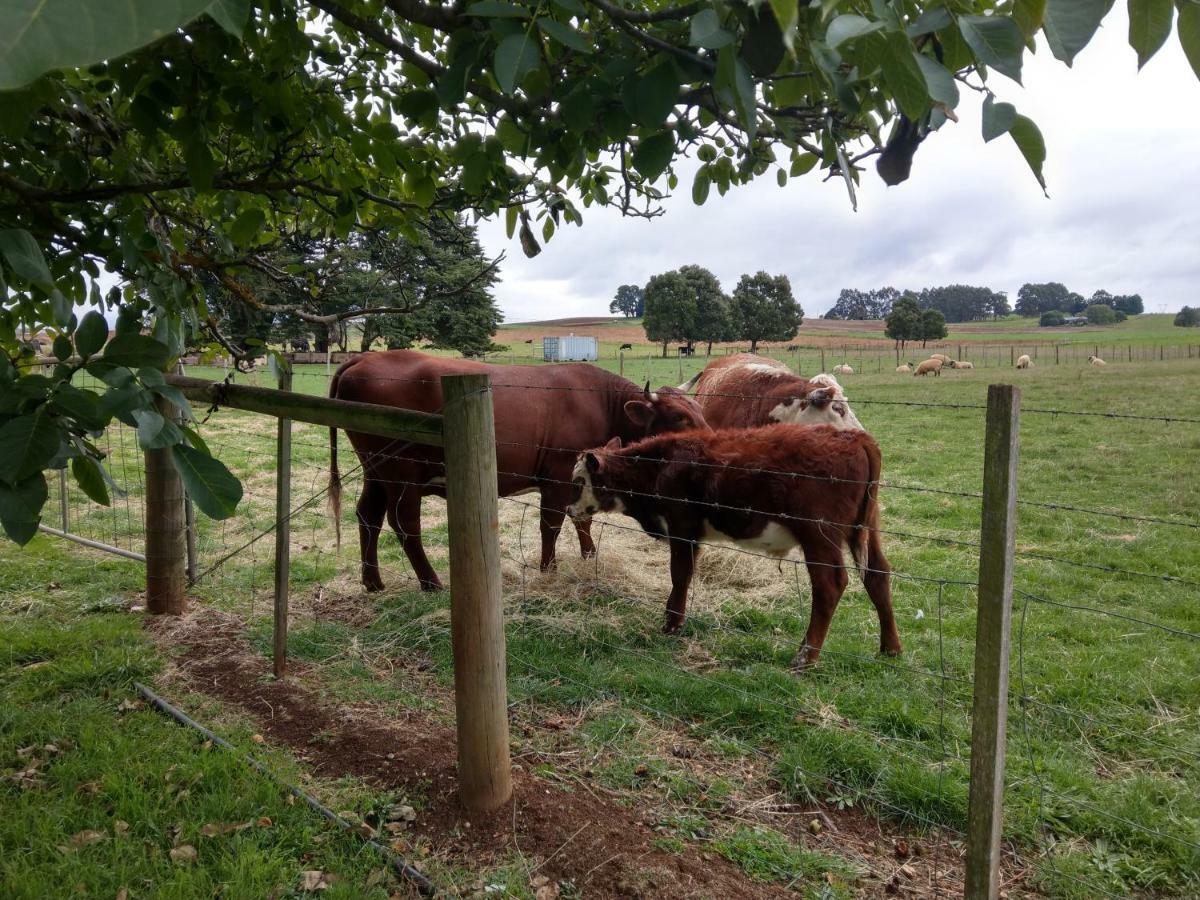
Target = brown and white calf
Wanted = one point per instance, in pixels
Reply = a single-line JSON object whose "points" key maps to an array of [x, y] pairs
{"points": [[764, 489], [744, 391]]}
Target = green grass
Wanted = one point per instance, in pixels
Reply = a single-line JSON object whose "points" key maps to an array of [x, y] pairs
{"points": [[1103, 776]]}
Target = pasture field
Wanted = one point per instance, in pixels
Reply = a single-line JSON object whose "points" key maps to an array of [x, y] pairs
{"points": [[718, 754]]}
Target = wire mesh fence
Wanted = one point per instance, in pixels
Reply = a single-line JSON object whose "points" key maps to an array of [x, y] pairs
{"points": [[1102, 779]]}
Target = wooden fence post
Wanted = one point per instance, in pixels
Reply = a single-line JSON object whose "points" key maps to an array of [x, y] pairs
{"points": [[476, 609], [64, 514], [822, 359], [993, 625], [1056, 354], [283, 530], [166, 553], [621, 371]]}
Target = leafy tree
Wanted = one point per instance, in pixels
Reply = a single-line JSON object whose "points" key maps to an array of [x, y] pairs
{"points": [[712, 321], [1188, 317], [1130, 304], [1075, 303], [963, 302], [1035, 299], [904, 323], [670, 309], [933, 326], [855, 304], [1052, 319], [1100, 314], [763, 309], [628, 301], [192, 158]]}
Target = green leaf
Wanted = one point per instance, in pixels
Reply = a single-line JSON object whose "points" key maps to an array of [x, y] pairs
{"points": [[27, 444], [700, 186], [904, 76], [786, 15], [156, 431], [232, 15], [135, 351], [82, 406], [60, 307], [938, 81], [42, 35], [91, 334], [996, 41], [62, 347], [498, 9], [24, 257], [247, 227], [781, 177], [516, 56], [510, 220], [211, 486], [21, 507], [194, 439], [1070, 24], [762, 45], [803, 164], [1149, 26], [933, 19], [847, 27], [734, 81], [89, 477], [1189, 34], [998, 118], [653, 154], [706, 31], [201, 164], [1029, 14], [1028, 139], [565, 35], [572, 6], [656, 94]]}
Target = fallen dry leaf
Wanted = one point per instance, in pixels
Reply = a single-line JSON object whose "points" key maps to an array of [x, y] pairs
{"points": [[265, 822], [82, 839], [315, 880], [184, 853], [258, 738], [123, 894], [128, 705], [120, 828]]}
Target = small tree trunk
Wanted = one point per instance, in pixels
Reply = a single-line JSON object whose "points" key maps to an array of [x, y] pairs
{"points": [[664, 349], [166, 553], [753, 345]]}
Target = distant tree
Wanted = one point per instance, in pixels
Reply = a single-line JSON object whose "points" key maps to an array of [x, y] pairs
{"points": [[670, 309], [1188, 317], [904, 323], [855, 304], [933, 326], [628, 301], [763, 309], [1100, 314], [1052, 318], [1075, 303], [712, 321], [963, 302], [1130, 304], [1035, 299]]}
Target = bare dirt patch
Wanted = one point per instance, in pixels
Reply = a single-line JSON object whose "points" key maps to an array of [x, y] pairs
{"points": [[581, 836]]}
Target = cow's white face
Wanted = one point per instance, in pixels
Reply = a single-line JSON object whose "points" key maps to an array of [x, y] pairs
{"points": [[590, 499], [825, 405]]}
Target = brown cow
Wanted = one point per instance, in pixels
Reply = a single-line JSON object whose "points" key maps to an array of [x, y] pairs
{"points": [[544, 416], [744, 391], [765, 489]]}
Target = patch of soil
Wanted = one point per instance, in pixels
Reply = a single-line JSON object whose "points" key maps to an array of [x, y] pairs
{"points": [[603, 848]]}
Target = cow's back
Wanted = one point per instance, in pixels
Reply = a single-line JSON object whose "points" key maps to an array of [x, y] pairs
{"points": [[743, 390]]}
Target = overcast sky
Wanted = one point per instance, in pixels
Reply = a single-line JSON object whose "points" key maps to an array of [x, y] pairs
{"points": [[1123, 171]]}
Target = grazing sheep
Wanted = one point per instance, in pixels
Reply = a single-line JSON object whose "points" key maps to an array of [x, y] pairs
{"points": [[904, 369], [1024, 362], [963, 364], [930, 365], [843, 369], [1096, 361], [944, 358]]}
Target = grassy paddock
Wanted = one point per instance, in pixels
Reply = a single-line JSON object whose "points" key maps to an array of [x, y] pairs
{"points": [[1104, 781]]}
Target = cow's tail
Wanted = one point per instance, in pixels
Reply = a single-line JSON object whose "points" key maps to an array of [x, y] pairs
{"points": [[691, 382], [335, 477], [865, 545]]}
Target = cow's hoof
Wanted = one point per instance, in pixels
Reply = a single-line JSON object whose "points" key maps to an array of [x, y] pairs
{"points": [[549, 566], [373, 586], [672, 626], [890, 651], [805, 659], [431, 586], [588, 554]]}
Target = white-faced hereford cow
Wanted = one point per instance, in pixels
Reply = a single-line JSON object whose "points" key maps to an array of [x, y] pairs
{"points": [[545, 415], [743, 391], [764, 489]]}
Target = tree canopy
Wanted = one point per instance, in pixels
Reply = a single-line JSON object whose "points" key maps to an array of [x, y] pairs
{"points": [[670, 309], [191, 160], [1188, 317], [855, 304], [763, 309], [712, 320], [628, 301], [904, 322]]}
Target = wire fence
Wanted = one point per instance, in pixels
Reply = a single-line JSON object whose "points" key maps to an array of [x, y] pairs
{"points": [[1103, 781]]}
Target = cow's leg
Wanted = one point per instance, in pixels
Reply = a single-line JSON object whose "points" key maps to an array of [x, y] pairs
{"points": [[372, 503], [404, 515], [553, 511], [683, 564], [877, 579], [583, 528], [827, 575]]}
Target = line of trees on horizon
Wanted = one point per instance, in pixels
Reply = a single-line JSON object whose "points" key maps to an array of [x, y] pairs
{"points": [[688, 306]]}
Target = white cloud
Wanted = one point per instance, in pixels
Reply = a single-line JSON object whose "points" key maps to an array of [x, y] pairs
{"points": [[1123, 170]]}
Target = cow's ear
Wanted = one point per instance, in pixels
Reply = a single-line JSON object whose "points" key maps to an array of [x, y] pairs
{"points": [[592, 462], [613, 444], [640, 412]]}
